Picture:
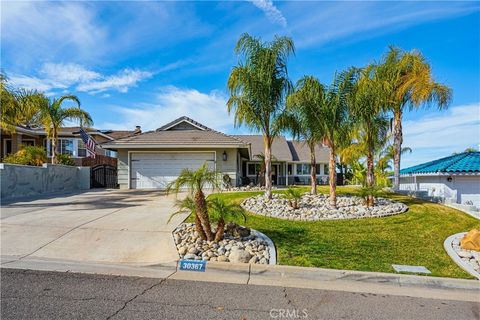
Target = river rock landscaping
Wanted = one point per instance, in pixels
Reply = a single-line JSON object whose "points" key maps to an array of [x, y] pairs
{"points": [[239, 245], [317, 207], [468, 257]]}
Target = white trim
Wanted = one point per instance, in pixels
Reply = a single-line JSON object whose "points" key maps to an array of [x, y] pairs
{"points": [[183, 120], [177, 146], [150, 151]]}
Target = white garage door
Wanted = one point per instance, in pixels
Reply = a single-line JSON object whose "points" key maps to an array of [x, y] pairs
{"points": [[156, 170]]}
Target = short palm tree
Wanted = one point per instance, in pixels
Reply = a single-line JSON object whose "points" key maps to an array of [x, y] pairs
{"points": [[189, 205], [221, 211], [195, 181], [53, 117], [411, 85], [367, 109], [334, 120], [304, 104], [258, 87]]}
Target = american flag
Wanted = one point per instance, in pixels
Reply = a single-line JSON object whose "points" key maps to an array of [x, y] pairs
{"points": [[89, 143]]}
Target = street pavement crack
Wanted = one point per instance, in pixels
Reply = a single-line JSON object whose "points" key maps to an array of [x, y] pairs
{"points": [[135, 297]]}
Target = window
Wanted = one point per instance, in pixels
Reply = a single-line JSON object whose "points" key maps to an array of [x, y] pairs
{"points": [[289, 169], [253, 169], [325, 169], [65, 146], [82, 151], [303, 169]]}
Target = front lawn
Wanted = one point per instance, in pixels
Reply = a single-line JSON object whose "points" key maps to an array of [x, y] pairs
{"points": [[373, 244]]}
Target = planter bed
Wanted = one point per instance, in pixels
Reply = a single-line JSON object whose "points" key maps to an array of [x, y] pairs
{"points": [[468, 260], [317, 207], [243, 246]]}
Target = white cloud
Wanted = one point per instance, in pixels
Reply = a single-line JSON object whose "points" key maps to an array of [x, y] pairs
{"points": [[441, 134], [69, 75], [37, 30], [271, 11], [121, 82], [172, 102]]}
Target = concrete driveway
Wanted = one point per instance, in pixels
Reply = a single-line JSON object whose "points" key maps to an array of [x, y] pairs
{"points": [[107, 226]]}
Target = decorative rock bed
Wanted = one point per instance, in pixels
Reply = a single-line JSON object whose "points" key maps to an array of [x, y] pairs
{"points": [[249, 188], [468, 260], [246, 246], [317, 207]]}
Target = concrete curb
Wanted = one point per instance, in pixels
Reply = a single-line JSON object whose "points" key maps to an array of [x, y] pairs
{"points": [[447, 245], [276, 275]]}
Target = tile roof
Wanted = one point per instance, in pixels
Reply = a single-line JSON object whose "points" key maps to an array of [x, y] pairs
{"points": [[181, 119], [181, 137], [462, 162], [301, 152], [280, 149]]}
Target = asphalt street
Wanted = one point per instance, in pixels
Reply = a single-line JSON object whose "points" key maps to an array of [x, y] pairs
{"points": [[53, 295]]}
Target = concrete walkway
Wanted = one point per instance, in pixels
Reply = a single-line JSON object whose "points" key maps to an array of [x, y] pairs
{"points": [[107, 226]]}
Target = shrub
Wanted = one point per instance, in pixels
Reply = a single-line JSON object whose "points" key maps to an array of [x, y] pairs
{"points": [[293, 195], [28, 155], [65, 159]]}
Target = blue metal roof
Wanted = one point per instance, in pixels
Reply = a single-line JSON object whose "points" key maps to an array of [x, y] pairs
{"points": [[462, 162]]}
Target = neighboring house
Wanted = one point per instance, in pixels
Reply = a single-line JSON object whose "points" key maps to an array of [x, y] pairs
{"points": [[69, 141], [454, 179], [153, 159]]}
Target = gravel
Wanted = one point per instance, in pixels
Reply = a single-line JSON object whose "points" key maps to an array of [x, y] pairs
{"points": [[470, 257], [247, 249], [317, 207]]}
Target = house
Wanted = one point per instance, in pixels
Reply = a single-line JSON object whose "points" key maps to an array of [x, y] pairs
{"points": [[152, 159], [453, 179], [69, 141]]}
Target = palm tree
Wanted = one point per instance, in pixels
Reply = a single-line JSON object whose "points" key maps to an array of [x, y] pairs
{"points": [[411, 84], [258, 86], [220, 211], [53, 116], [335, 123], [19, 107], [195, 182], [367, 109], [304, 104], [188, 204]]}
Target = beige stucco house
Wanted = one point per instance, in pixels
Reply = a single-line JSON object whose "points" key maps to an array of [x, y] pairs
{"points": [[152, 159]]}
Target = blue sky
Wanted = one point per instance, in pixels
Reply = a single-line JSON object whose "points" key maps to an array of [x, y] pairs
{"points": [[146, 63]]}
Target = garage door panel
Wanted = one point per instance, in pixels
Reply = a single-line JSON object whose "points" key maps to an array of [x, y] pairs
{"points": [[156, 170]]}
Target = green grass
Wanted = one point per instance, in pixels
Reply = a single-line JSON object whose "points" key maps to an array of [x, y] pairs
{"points": [[372, 244]]}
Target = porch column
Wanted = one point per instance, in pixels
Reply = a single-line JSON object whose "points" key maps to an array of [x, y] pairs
{"points": [[286, 174]]}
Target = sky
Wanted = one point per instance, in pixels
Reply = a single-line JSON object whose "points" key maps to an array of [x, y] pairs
{"points": [[146, 63]]}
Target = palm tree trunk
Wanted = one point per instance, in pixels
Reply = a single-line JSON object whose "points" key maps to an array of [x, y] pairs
{"points": [[313, 170], [199, 228], [220, 230], [370, 176], [332, 178], [397, 147], [202, 213], [54, 147], [268, 167]]}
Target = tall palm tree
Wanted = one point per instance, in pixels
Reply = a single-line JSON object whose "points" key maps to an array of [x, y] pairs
{"points": [[53, 117], [304, 104], [258, 87], [411, 85], [334, 120], [196, 181], [368, 110]]}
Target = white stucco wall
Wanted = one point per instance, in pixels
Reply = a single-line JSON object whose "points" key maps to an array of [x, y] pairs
{"points": [[225, 167], [461, 189]]}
